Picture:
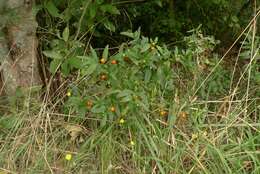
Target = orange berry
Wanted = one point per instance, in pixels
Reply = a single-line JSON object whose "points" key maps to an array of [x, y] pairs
{"points": [[113, 62], [183, 115], [113, 109], [102, 60], [89, 104], [163, 113], [126, 59], [103, 77]]}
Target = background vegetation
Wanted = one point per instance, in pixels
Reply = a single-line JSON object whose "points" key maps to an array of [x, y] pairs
{"points": [[139, 86]]}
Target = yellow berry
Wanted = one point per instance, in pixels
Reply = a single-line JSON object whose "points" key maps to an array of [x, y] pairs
{"points": [[152, 48], [68, 157], [102, 61], [194, 136], [69, 94], [132, 143], [121, 121]]}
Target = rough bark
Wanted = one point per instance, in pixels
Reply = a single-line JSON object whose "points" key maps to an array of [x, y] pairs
{"points": [[18, 48]]}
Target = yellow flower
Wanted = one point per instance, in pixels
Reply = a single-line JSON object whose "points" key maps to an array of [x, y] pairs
{"points": [[68, 157], [194, 136], [132, 143], [68, 93], [121, 121]]}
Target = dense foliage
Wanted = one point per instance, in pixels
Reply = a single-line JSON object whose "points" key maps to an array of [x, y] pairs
{"points": [[167, 19]]}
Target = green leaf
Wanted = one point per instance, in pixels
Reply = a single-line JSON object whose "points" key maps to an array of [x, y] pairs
{"points": [[109, 25], [65, 34], [92, 11], [257, 78], [110, 9], [124, 93], [52, 54], [245, 55], [9, 122], [128, 34], [52, 9], [145, 47], [99, 1], [65, 69], [67, 14], [105, 52], [90, 69], [134, 35], [147, 76], [54, 65], [112, 92], [36, 9], [98, 109], [75, 62], [126, 99], [160, 76], [160, 49], [158, 2], [93, 53]]}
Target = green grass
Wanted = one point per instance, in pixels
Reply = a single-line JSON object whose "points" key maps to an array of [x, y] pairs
{"points": [[33, 142]]}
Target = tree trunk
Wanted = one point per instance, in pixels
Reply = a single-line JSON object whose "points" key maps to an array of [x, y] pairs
{"points": [[18, 47]]}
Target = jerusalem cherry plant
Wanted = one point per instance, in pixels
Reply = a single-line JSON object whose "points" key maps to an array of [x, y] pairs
{"points": [[134, 81]]}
